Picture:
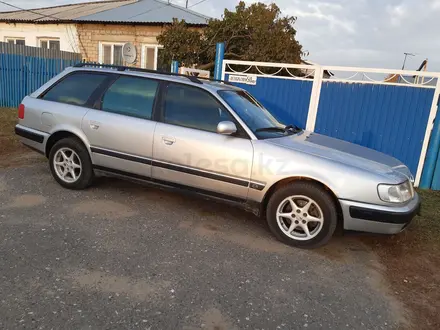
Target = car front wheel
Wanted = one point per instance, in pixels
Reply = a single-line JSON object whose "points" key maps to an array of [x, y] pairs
{"points": [[70, 164], [302, 214]]}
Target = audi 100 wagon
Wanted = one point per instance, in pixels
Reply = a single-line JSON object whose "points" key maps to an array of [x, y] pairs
{"points": [[217, 140]]}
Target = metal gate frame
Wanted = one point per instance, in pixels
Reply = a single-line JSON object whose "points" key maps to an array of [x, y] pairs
{"points": [[421, 80]]}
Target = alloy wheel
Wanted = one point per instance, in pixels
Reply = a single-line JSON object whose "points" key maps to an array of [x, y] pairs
{"points": [[300, 217], [67, 165]]}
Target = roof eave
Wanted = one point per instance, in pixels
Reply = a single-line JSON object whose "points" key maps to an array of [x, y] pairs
{"points": [[13, 21], [135, 23]]}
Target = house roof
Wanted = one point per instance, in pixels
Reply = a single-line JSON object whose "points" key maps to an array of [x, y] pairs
{"points": [[110, 11], [64, 13], [148, 11]]}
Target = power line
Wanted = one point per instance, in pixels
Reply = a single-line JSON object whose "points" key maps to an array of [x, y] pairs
{"points": [[29, 10], [197, 3]]}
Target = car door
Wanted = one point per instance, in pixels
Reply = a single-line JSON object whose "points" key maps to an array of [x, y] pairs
{"points": [[188, 151], [120, 128]]}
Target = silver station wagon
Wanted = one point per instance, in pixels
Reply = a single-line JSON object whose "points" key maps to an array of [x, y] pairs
{"points": [[215, 140]]}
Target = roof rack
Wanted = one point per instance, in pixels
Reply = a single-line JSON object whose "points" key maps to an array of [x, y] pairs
{"points": [[194, 79]]}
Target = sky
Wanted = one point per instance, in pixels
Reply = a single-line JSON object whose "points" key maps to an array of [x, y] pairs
{"points": [[361, 33]]}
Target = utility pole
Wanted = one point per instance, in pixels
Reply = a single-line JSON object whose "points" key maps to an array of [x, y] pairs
{"points": [[186, 4]]}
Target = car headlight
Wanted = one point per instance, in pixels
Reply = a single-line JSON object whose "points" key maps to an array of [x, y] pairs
{"points": [[400, 193]]}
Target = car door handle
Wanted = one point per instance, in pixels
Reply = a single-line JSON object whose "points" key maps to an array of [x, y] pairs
{"points": [[168, 140], [94, 125]]}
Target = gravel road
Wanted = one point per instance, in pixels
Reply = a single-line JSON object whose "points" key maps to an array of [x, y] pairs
{"points": [[125, 256]]}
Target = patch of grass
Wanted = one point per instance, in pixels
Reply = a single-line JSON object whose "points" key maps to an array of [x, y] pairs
{"points": [[427, 226], [8, 141], [8, 119], [412, 260]]}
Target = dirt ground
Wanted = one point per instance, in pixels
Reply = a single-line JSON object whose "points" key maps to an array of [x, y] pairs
{"points": [[411, 259], [12, 152]]}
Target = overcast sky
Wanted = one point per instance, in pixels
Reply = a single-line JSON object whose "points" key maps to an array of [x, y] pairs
{"points": [[370, 33]]}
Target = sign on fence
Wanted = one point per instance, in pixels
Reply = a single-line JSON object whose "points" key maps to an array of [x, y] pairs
{"points": [[243, 79]]}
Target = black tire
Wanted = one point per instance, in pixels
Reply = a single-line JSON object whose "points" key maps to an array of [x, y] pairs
{"points": [[85, 179], [320, 196]]}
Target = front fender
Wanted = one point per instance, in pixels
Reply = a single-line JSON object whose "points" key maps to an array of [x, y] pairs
{"points": [[273, 164]]}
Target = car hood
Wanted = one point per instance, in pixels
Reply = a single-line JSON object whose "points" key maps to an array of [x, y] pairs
{"points": [[344, 152]]}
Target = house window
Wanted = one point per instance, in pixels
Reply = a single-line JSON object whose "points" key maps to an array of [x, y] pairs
{"points": [[151, 59], [110, 53], [15, 41], [49, 43]]}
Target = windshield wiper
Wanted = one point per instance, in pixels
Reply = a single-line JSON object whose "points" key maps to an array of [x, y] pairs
{"points": [[287, 129], [293, 128], [271, 129]]}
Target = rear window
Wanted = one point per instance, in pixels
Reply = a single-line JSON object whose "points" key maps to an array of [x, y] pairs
{"points": [[131, 96], [75, 89]]}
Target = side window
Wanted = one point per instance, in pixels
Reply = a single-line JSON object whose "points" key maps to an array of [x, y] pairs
{"points": [[75, 89], [131, 96], [194, 108]]}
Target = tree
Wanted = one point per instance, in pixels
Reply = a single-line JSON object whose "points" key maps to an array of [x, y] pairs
{"points": [[258, 32]]}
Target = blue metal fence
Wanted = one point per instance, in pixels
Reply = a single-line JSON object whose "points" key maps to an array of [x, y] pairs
{"points": [[24, 69], [287, 99], [390, 119], [376, 112]]}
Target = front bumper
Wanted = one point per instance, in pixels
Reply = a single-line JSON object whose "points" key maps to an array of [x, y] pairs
{"points": [[378, 218]]}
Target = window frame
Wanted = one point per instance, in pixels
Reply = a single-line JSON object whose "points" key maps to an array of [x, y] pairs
{"points": [[99, 100], [144, 54], [15, 40], [112, 54], [48, 39], [241, 131], [90, 101]]}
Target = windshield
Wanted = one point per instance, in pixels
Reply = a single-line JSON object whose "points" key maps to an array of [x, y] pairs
{"points": [[256, 117]]}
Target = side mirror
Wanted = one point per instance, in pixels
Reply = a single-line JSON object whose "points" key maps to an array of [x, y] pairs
{"points": [[226, 128]]}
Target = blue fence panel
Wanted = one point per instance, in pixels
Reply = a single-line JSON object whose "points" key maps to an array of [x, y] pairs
{"points": [[287, 99], [24, 69], [390, 119]]}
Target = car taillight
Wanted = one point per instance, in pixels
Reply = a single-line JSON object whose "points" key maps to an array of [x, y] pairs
{"points": [[21, 111]]}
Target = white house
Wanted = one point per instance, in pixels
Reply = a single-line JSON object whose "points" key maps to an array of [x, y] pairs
{"points": [[98, 30], [53, 36]]}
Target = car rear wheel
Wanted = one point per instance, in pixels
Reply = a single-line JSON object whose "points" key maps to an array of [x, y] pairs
{"points": [[302, 215], [70, 164]]}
